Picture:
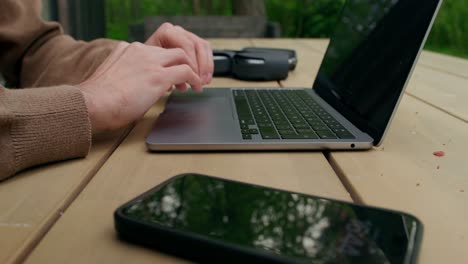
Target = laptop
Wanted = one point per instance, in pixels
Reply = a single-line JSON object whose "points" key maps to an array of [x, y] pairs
{"points": [[361, 80]]}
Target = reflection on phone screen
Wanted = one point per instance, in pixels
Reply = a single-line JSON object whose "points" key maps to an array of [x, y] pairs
{"points": [[280, 222]]}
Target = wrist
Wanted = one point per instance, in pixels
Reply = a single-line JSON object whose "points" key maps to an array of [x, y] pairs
{"points": [[91, 107]]}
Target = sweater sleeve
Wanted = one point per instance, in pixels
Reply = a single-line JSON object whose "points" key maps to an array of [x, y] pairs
{"points": [[47, 124], [41, 125]]}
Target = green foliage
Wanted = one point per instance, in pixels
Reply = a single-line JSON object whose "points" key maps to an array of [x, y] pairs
{"points": [[304, 18], [298, 18], [450, 31], [121, 13]]}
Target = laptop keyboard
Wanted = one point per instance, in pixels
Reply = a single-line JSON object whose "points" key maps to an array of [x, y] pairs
{"points": [[284, 114]]}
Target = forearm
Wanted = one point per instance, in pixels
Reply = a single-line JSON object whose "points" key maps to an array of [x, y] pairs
{"points": [[41, 125]]}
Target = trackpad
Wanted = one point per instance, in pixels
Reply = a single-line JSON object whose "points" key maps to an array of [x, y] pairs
{"points": [[211, 104], [197, 117]]}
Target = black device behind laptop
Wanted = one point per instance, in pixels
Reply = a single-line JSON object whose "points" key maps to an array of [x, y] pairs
{"points": [[254, 64], [366, 67]]}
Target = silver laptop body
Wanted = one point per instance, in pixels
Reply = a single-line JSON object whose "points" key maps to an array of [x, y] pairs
{"points": [[361, 80]]}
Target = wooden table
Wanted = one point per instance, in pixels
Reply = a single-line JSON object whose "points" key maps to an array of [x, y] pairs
{"points": [[62, 213]]}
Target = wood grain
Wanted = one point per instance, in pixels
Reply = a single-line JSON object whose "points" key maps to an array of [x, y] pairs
{"points": [[445, 63], [445, 91]]}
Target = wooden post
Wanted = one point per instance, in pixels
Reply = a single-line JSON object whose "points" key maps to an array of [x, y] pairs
{"points": [[249, 8], [196, 7], [63, 17], [85, 19]]}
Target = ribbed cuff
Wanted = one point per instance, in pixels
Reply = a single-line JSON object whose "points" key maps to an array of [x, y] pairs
{"points": [[47, 124]]}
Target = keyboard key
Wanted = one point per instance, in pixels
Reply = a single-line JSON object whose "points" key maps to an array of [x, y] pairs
{"points": [[326, 135], [339, 130], [301, 126], [345, 135], [299, 136], [287, 132], [330, 121], [297, 122], [264, 125], [272, 136], [333, 126], [320, 127], [267, 130], [246, 136], [263, 121], [309, 135], [281, 123], [283, 127], [315, 123], [253, 131], [246, 121]]}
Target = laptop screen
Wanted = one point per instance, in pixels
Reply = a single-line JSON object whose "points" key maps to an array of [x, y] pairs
{"points": [[370, 57]]}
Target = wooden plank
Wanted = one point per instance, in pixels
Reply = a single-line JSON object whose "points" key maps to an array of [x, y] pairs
{"points": [[32, 200], [405, 175], [448, 64], [445, 91], [85, 233]]}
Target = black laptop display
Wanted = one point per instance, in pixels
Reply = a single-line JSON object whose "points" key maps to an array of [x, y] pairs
{"points": [[370, 57]]}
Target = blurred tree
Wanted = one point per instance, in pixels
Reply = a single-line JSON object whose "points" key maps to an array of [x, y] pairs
{"points": [[305, 18]]}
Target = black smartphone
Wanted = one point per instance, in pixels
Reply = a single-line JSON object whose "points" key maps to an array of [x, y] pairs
{"points": [[213, 220]]}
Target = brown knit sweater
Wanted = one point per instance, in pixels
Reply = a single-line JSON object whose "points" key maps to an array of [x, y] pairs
{"points": [[40, 125]]}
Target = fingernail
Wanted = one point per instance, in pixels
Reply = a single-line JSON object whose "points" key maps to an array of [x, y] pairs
{"points": [[205, 78], [210, 77]]}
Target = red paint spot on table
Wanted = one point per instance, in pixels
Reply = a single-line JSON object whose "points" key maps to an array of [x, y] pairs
{"points": [[439, 153]]}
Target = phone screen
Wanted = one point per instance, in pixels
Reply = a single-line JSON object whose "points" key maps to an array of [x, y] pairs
{"points": [[289, 224]]}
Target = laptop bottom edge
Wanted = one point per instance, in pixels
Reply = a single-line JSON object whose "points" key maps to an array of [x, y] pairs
{"points": [[300, 145]]}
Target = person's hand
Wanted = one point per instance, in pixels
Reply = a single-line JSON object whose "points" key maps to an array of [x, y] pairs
{"points": [[131, 80], [198, 50]]}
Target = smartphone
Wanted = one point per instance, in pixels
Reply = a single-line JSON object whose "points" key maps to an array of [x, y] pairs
{"points": [[213, 220]]}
